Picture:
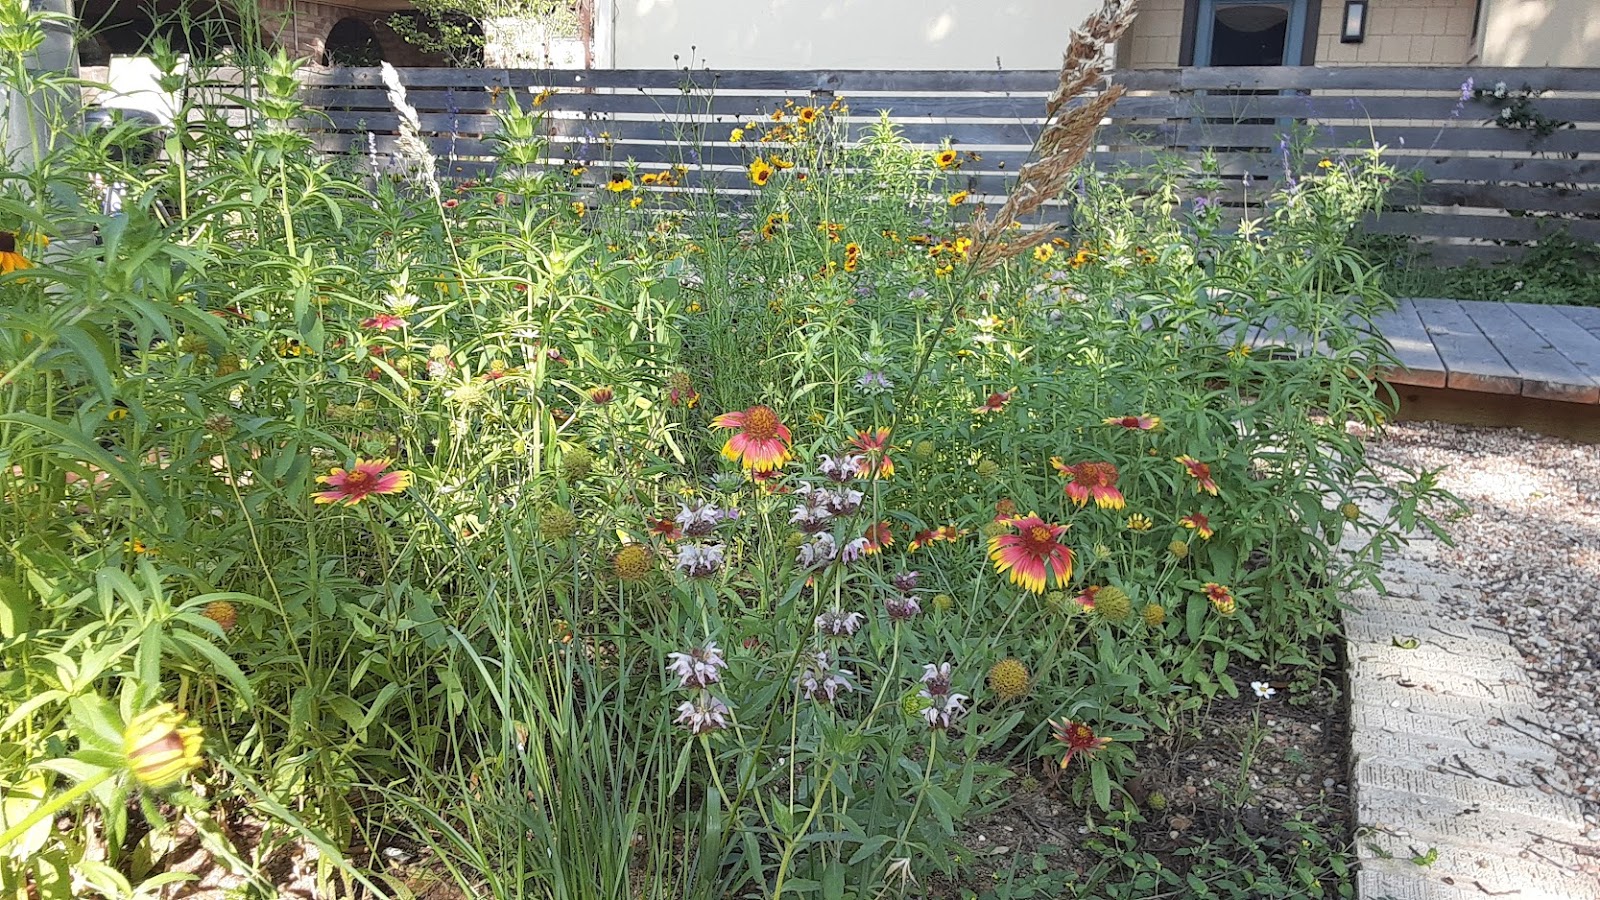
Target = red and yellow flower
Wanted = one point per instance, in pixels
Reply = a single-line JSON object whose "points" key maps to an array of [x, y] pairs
{"points": [[1200, 524], [947, 533], [879, 536], [1095, 481], [1221, 597], [1079, 738], [365, 479], [1201, 473], [1085, 597], [995, 402], [873, 448], [1032, 553], [1134, 423], [761, 441]]}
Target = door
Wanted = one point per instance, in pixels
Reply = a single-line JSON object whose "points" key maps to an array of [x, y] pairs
{"points": [[1250, 33]]}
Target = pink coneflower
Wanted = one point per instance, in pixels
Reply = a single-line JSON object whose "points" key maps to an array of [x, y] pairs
{"points": [[1095, 481], [1079, 738], [995, 402], [1200, 524], [1134, 423], [1201, 473], [366, 478], [873, 461], [384, 322], [762, 441], [1032, 553]]}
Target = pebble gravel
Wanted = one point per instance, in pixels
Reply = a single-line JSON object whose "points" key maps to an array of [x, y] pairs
{"points": [[1530, 544]]}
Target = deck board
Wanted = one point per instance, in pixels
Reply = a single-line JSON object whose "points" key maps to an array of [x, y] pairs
{"points": [[1413, 348], [1579, 346], [1546, 372], [1471, 361]]}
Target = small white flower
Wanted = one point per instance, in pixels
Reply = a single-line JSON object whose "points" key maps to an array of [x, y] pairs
{"points": [[1263, 690]]}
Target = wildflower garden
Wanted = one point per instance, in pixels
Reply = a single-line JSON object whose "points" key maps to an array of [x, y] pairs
{"points": [[500, 537]]}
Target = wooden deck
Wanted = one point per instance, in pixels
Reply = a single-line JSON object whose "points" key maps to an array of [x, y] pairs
{"points": [[1548, 353]]}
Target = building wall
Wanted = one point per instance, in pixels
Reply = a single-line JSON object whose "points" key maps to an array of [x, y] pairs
{"points": [[1400, 32], [301, 28], [851, 34], [1540, 33]]}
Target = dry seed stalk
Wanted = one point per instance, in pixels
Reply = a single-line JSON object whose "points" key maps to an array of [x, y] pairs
{"points": [[1063, 144]]}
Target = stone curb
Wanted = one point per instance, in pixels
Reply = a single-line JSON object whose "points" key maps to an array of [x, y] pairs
{"points": [[1452, 759]]}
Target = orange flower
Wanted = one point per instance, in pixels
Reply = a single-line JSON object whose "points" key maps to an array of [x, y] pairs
{"points": [[1032, 553], [1201, 473], [1078, 737], [1137, 423], [363, 480], [949, 533], [873, 447], [1200, 524], [762, 441], [995, 403], [1091, 480], [878, 536], [1221, 597]]}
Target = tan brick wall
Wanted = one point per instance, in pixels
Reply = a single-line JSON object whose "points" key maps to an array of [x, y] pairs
{"points": [[1400, 32], [1153, 41]]}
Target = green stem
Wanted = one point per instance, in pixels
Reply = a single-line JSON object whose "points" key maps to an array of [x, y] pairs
{"points": [[62, 801]]}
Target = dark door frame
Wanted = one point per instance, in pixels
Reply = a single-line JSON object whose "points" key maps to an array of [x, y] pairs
{"points": [[1191, 24]]}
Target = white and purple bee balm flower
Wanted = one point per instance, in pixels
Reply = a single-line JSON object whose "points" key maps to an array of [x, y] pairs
{"points": [[699, 667], [704, 714]]}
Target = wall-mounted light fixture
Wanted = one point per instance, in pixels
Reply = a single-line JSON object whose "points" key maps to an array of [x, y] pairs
{"points": [[1355, 22]]}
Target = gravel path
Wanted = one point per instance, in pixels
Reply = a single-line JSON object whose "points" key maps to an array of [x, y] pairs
{"points": [[1531, 547]]}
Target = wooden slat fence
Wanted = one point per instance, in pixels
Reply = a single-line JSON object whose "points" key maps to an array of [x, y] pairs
{"points": [[1477, 185]]}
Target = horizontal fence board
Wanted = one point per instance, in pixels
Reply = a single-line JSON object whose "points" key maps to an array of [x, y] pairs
{"points": [[1471, 171], [1494, 228], [840, 80]]}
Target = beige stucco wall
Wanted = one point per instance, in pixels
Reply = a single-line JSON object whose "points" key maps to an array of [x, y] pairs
{"points": [[854, 34], [1541, 33], [1400, 32]]}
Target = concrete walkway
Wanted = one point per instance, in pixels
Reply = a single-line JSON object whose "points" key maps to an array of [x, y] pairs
{"points": [[1458, 795]]}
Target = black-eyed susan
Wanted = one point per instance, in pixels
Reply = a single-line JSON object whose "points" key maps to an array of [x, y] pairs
{"points": [[760, 172], [947, 159], [807, 114], [958, 198], [11, 259], [619, 183]]}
